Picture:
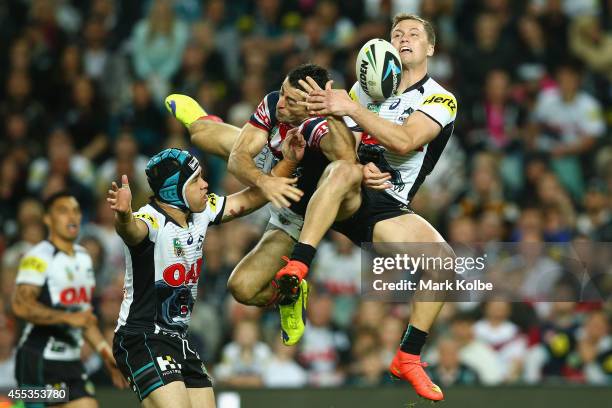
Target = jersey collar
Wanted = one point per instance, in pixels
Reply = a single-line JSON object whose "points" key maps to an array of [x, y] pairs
{"points": [[169, 218], [417, 85]]}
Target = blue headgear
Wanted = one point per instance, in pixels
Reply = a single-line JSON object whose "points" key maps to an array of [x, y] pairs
{"points": [[168, 172]]}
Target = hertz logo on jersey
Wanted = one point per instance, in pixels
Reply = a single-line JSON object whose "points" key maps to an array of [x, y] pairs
{"points": [[149, 218], [212, 201], [448, 101], [33, 263]]}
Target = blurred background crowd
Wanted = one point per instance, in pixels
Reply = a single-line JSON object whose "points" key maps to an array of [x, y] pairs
{"points": [[81, 102]]}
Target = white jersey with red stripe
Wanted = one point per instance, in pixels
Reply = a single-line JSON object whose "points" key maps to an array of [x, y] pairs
{"points": [[314, 162], [408, 171], [67, 283]]}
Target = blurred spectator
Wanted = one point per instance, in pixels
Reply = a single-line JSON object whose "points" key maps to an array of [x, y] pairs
{"points": [[338, 31], [475, 353], [158, 42], [596, 211], [126, 160], [7, 351], [489, 51], [243, 360], [20, 99], [338, 266], [592, 44], [496, 120], [323, 349], [282, 370], [552, 345], [62, 169], [390, 331], [595, 349], [87, 121], [449, 370], [370, 370], [504, 336], [484, 193], [143, 117], [95, 55], [570, 122], [12, 191]]}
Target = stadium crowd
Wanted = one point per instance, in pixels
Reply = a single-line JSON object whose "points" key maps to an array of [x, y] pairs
{"points": [[82, 85]]}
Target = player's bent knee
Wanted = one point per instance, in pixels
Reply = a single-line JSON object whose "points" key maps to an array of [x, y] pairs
{"points": [[345, 174], [241, 289]]}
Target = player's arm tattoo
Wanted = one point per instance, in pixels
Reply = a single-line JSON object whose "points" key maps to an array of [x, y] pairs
{"points": [[231, 213], [26, 306]]}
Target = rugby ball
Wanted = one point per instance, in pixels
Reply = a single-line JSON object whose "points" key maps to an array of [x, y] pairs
{"points": [[378, 69]]}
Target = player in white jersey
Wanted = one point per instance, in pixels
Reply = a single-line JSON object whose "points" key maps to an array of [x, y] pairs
{"points": [[55, 284], [404, 137], [164, 241]]}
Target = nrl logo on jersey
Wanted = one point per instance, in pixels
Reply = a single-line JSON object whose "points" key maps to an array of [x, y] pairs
{"points": [[178, 248], [374, 107]]}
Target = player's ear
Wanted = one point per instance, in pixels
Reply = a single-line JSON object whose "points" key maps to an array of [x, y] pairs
{"points": [[47, 220], [430, 50]]}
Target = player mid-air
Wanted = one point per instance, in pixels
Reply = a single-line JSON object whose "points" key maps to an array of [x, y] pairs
{"points": [[405, 139], [55, 285], [252, 281], [163, 248]]}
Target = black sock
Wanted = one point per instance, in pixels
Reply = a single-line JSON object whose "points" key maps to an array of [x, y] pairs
{"points": [[413, 340], [303, 253]]}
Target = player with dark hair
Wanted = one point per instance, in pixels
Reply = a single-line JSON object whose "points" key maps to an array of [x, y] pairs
{"points": [[55, 284], [163, 246], [255, 152], [405, 136]]}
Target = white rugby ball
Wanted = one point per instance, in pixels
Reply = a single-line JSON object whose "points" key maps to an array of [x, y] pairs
{"points": [[378, 69]]}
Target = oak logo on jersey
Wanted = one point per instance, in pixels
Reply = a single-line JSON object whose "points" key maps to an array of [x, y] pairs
{"points": [[72, 296], [177, 275], [33, 263], [447, 101], [168, 363], [148, 217]]}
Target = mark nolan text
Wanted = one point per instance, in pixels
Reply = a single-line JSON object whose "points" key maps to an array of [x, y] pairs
{"points": [[460, 284]]}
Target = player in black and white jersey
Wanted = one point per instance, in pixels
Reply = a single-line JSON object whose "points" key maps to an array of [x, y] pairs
{"points": [[55, 284], [164, 241], [254, 152], [404, 137]]}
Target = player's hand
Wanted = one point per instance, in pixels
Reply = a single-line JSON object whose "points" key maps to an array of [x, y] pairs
{"points": [[329, 102], [81, 319], [293, 146], [111, 366], [120, 199], [374, 178], [279, 190]]}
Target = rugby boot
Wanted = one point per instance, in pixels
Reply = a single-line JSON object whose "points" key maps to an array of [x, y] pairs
{"points": [[293, 316], [187, 110], [409, 367]]}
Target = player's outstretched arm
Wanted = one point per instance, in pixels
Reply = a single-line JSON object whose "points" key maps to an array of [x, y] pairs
{"points": [[252, 198], [418, 130], [207, 132], [131, 230], [27, 307], [93, 336]]}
